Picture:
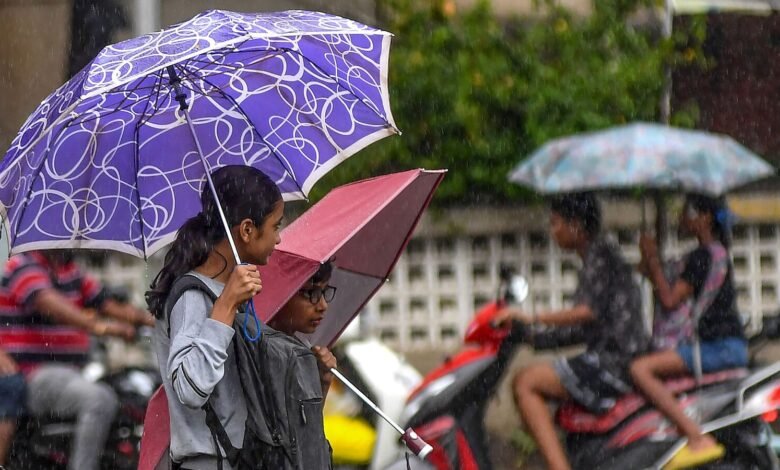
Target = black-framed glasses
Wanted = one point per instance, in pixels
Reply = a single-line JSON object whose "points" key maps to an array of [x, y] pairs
{"points": [[316, 293]]}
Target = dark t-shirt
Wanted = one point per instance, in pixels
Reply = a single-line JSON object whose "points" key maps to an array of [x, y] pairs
{"points": [[606, 285], [720, 320]]}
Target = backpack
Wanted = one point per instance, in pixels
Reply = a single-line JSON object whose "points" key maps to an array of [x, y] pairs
{"points": [[677, 325], [280, 380]]}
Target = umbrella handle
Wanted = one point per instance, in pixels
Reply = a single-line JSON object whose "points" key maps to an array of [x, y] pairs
{"points": [[412, 440]]}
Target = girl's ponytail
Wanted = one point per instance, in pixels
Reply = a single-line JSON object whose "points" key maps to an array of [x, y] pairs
{"points": [[192, 246]]}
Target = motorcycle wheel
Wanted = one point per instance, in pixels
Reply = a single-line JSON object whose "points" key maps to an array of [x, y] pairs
{"points": [[747, 447]]}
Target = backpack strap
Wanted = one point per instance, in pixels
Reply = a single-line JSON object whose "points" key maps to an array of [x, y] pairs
{"points": [[181, 285], [219, 435], [719, 268], [265, 395], [266, 401]]}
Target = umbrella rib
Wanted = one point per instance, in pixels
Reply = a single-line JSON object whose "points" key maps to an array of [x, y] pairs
{"points": [[34, 178], [129, 92], [137, 155], [356, 272], [136, 152], [157, 86], [339, 83], [98, 115], [274, 51], [251, 124]]}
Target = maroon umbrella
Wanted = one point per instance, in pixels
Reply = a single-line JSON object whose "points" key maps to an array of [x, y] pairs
{"points": [[363, 227]]}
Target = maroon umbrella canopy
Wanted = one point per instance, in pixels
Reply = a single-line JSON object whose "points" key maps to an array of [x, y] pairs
{"points": [[363, 227]]}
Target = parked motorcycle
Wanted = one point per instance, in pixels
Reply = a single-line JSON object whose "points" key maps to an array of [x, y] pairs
{"points": [[44, 442], [448, 408]]}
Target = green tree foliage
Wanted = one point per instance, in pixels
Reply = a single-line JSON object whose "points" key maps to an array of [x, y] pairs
{"points": [[476, 94]]}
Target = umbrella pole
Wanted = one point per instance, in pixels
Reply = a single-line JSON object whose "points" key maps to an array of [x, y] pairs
{"points": [[660, 221], [413, 441], [175, 82], [213, 189]]}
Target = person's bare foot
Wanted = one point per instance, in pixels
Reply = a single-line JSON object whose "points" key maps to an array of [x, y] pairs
{"points": [[701, 442]]}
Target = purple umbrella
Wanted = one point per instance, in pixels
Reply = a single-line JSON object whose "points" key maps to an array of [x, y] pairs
{"points": [[115, 158]]}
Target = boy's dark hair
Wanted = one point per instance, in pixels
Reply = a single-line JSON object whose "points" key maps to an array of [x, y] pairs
{"points": [[323, 273], [582, 207]]}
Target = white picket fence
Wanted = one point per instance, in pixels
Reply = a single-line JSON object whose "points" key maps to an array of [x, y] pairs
{"points": [[451, 267]]}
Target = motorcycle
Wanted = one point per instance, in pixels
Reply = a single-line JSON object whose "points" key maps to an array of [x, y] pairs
{"points": [[448, 408], [45, 442]]}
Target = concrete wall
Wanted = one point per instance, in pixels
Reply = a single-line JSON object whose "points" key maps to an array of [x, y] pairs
{"points": [[34, 38]]}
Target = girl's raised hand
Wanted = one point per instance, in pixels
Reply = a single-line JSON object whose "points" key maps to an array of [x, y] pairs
{"points": [[648, 247], [243, 284]]}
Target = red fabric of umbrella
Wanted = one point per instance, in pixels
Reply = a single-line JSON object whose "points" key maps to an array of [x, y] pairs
{"points": [[363, 227]]}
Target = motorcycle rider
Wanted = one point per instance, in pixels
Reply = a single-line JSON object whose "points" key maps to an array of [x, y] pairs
{"points": [[606, 317], [46, 317]]}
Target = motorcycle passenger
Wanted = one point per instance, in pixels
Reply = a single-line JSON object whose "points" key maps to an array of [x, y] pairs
{"points": [[193, 346], [48, 309], [606, 317], [723, 344]]}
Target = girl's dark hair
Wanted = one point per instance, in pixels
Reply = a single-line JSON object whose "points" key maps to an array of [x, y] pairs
{"points": [[718, 210], [245, 193], [582, 207]]}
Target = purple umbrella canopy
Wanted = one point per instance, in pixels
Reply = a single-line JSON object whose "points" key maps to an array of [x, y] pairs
{"points": [[108, 161]]}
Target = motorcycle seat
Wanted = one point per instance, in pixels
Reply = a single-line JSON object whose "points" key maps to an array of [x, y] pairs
{"points": [[574, 418]]}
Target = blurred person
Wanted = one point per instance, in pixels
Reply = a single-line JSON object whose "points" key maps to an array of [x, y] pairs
{"points": [[12, 396], [606, 318], [48, 310], [723, 343]]}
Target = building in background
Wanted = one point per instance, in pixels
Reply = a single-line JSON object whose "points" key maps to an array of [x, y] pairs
{"points": [[42, 42], [739, 94]]}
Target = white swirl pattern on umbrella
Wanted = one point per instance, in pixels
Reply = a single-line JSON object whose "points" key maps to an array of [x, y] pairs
{"points": [[108, 161]]}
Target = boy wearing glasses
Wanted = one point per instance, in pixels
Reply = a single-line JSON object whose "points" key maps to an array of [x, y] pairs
{"points": [[304, 312]]}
